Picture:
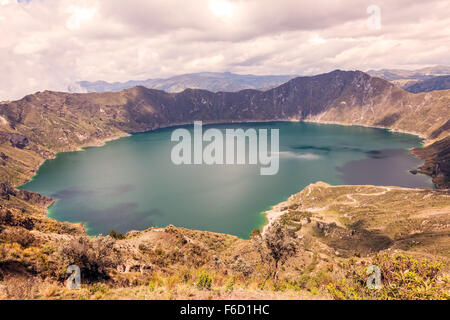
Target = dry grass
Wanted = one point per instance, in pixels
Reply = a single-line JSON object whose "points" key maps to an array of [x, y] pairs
{"points": [[333, 226]]}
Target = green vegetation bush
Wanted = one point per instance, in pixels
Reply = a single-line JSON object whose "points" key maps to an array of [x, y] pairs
{"points": [[255, 233], [293, 219], [262, 284], [403, 278], [116, 235], [98, 288], [204, 280], [230, 284]]}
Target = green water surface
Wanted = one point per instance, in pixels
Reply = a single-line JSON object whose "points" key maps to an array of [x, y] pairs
{"points": [[131, 183]]}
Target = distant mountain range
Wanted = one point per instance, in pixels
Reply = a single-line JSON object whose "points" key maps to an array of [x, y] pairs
{"points": [[211, 81], [437, 83], [415, 81], [420, 80], [419, 74]]}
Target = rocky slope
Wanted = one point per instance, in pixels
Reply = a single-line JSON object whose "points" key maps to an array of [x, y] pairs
{"points": [[407, 78], [334, 229], [437, 161], [437, 83]]}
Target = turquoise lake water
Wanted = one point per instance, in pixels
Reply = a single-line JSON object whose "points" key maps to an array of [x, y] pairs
{"points": [[132, 184]]}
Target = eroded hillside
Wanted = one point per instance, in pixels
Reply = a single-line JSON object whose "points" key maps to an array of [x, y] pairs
{"points": [[333, 227]]}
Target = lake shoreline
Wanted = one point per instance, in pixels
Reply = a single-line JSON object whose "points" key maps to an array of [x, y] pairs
{"points": [[274, 214], [271, 215], [420, 135]]}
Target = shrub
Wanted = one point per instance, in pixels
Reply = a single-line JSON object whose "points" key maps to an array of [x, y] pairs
{"points": [[7, 218], [230, 285], [185, 275], [276, 246], [204, 280], [21, 236], [255, 233], [241, 266], [20, 288], [94, 256], [99, 289], [403, 277], [116, 235], [262, 284]]}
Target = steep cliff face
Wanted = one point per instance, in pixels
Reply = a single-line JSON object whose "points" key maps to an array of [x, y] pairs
{"points": [[437, 162], [54, 121], [7, 191]]}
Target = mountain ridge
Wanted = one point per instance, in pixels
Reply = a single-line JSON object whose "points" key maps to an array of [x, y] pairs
{"points": [[211, 81], [420, 74], [432, 84], [54, 121], [414, 81]]}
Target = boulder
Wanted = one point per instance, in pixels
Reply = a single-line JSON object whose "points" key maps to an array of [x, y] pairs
{"points": [[16, 140]]}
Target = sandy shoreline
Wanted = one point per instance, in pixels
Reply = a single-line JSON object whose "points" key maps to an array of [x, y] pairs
{"points": [[274, 214]]}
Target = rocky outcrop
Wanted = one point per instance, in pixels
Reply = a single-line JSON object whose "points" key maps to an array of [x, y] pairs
{"points": [[3, 156], [437, 162], [7, 190], [16, 140]]}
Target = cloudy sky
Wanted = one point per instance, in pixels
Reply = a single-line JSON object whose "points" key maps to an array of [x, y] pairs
{"points": [[49, 44]]}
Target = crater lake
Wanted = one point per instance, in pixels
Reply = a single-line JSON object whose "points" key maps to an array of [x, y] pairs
{"points": [[132, 184]]}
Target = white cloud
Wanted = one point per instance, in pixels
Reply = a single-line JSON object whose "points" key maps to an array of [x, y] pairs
{"points": [[78, 16], [221, 8], [49, 44]]}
